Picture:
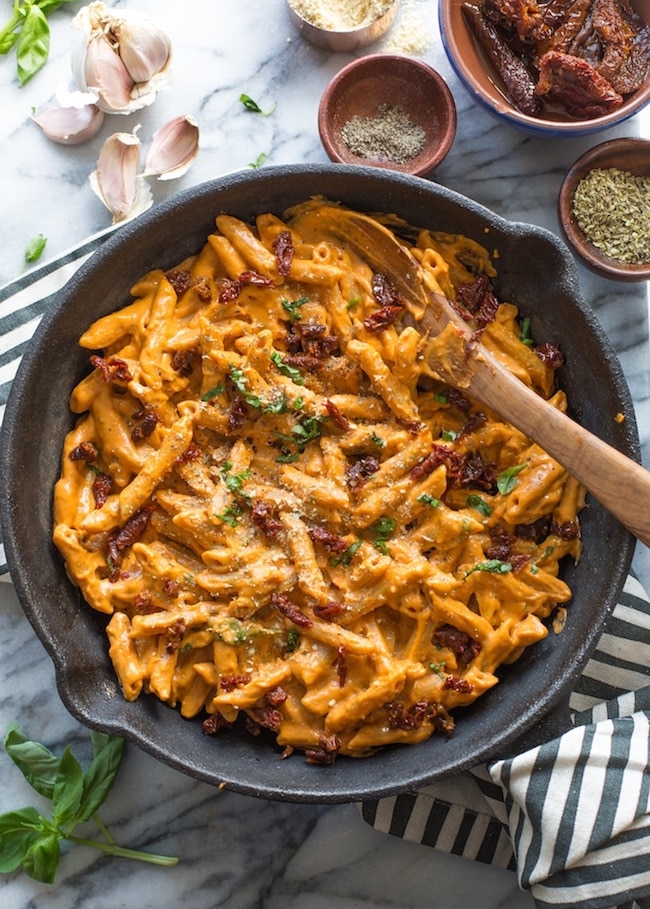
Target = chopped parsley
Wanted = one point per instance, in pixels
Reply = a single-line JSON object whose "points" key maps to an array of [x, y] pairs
{"points": [[377, 440], [524, 333], [383, 529], [213, 392], [479, 503], [448, 435], [346, 556], [496, 566], [292, 307], [277, 404], [426, 499], [286, 369]]}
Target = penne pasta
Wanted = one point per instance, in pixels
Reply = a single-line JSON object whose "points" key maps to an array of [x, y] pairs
{"points": [[286, 513]]}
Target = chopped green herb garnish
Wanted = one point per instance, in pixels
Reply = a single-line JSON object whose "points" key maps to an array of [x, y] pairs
{"points": [[426, 499], [383, 528], [479, 503], [278, 404], [377, 440], [441, 397], [293, 637], [213, 392], [35, 249], [259, 161], [534, 569], [286, 369], [496, 566], [354, 302], [448, 435], [507, 479], [231, 515], [253, 106], [524, 333], [292, 307], [438, 668], [346, 556]]}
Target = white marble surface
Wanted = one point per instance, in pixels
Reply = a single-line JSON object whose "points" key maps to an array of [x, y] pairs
{"points": [[236, 851]]}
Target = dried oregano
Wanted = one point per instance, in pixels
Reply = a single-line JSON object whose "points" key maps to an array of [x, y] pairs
{"points": [[612, 208]]}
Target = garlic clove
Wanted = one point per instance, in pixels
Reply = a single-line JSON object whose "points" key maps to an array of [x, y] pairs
{"points": [[144, 48], [104, 71], [117, 182], [173, 149], [70, 125], [111, 41]]}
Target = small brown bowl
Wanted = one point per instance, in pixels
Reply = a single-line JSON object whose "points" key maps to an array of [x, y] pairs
{"points": [[344, 41], [631, 155], [413, 88]]}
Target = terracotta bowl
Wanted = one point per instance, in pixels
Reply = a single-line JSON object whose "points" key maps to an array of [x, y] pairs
{"points": [[631, 155], [344, 41], [363, 86], [483, 83]]}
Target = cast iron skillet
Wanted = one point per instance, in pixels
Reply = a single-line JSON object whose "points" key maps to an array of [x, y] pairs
{"points": [[536, 272]]}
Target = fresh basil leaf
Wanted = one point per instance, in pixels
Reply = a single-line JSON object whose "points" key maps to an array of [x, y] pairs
{"points": [[507, 479], [35, 248], [100, 776], [250, 104], [42, 857], [68, 787], [36, 762], [479, 503], [18, 832], [7, 41], [33, 45]]}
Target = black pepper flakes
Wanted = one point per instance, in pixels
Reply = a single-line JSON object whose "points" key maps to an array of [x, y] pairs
{"points": [[390, 135]]}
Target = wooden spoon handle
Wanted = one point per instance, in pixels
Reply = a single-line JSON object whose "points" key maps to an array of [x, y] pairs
{"points": [[618, 482]]}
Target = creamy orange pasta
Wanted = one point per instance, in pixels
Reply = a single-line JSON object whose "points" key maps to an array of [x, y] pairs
{"points": [[283, 511]]}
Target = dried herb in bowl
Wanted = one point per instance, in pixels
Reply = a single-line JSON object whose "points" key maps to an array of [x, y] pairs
{"points": [[612, 208]]}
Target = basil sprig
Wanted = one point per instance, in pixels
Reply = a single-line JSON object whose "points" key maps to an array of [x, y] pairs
{"points": [[29, 32], [31, 841]]}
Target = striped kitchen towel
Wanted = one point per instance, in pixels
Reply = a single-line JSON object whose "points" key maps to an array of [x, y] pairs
{"points": [[572, 816]]}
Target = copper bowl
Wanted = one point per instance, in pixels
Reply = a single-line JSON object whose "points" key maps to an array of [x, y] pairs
{"points": [[483, 83], [631, 155], [348, 40], [364, 85]]}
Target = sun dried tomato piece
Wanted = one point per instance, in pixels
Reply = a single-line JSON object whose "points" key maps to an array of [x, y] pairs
{"points": [[382, 319], [328, 746], [102, 488], [401, 717], [126, 536], [576, 85], [289, 610], [360, 471], [454, 683], [230, 682], [263, 517], [180, 280], [459, 642], [85, 451], [341, 665], [328, 611], [331, 541], [284, 252], [191, 453], [214, 723], [238, 413], [183, 361], [337, 417], [148, 421], [550, 355], [113, 369]]}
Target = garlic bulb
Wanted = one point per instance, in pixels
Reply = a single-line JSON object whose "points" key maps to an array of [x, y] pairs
{"points": [[173, 148], [117, 181], [75, 120], [125, 56]]}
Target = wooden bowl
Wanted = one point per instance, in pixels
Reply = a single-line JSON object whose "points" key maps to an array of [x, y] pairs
{"points": [[344, 41], [419, 93], [631, 155], [483, 83]]}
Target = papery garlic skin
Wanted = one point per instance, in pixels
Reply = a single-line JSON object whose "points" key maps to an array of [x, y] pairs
{"points": [[70, 125], [173, 149], [117, 181], [125, 56]]}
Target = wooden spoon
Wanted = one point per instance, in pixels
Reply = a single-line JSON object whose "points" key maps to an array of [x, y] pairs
{"points": [[618, 482]]}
